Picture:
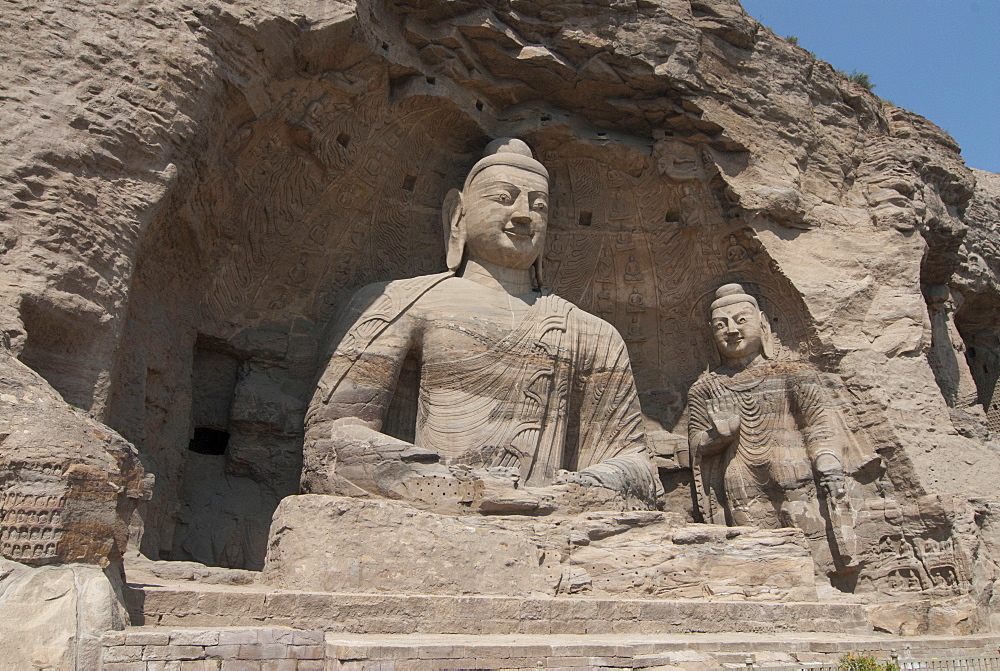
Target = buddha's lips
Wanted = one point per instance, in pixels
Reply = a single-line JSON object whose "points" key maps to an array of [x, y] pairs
{"points": [[517, 234]]}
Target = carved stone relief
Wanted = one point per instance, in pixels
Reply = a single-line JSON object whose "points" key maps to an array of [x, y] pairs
{"points": [[516, 385], [31, 525], [67, 483], [336, 187], [273, 159]]}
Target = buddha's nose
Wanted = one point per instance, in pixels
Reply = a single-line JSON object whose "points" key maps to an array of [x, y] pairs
{"points": [[521, 214]]}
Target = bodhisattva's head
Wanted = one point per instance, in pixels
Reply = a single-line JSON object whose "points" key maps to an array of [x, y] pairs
{"points": [[501, 213], [740, 329]]}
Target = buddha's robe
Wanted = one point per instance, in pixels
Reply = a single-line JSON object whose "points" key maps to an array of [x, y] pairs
{"points": [[556, 392]]}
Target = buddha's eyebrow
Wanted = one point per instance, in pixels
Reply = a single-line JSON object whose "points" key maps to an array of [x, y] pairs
{"points": [[501, 184], [505, 184]]}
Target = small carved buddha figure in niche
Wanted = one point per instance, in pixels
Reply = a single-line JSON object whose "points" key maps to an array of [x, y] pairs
{"points": [[476, 385], [761, 432]]}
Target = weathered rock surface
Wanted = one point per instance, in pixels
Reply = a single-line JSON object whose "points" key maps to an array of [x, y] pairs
{"points": [[53, 617], [340, 544], [68, 484], [188, 191], [386, 546]]}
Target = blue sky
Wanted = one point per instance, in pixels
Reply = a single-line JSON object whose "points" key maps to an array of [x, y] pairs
{"points": [[938, 58]]}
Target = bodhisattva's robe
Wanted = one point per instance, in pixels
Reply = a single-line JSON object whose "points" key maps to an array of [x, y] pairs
{"points": [[556, 392], [786, 423]]}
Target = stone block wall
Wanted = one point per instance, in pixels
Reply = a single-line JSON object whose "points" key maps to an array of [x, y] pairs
{"points": [[264, 648]]}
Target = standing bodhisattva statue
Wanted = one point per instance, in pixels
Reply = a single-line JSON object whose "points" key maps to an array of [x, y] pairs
{"points": [[475, 389], [762, 433]]}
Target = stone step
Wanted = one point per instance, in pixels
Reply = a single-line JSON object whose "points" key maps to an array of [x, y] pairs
{"points": [[218, 606], [283, 648]]}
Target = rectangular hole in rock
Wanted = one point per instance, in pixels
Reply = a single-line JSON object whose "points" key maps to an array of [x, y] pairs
{"points": [[585, 218], [209, 441]]}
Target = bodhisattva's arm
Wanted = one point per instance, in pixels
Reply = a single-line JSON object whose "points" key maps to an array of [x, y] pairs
{"points": [[812, 409]]}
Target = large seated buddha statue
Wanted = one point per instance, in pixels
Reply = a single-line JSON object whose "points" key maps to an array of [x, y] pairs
{"points": [[475, 389]]}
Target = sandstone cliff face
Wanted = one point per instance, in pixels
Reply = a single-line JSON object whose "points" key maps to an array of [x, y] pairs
{"points": [[189, 190]]}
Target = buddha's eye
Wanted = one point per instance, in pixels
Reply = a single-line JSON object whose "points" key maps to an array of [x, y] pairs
{"points": [[719, 326], [540, 206], [505, 198], [741, 320]]}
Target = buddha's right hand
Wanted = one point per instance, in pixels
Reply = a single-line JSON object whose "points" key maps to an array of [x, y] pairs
{"points": [[564, 477], [725, 416]]}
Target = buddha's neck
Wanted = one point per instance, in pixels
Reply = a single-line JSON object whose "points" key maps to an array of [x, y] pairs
{"points": [[514, 282], [733, 366]]}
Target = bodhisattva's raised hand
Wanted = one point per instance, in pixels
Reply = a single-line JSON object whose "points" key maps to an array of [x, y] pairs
{"points": [[725, 415]]}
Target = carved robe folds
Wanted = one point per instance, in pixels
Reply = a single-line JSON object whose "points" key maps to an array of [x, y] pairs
{"points": [[555, 392], [785, 426]]}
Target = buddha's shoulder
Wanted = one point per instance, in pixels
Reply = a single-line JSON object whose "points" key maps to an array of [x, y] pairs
{"points": [[397, 291], [392, 298], [705, 380]]}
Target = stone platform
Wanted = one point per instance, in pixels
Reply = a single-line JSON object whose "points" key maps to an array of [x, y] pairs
{"points": [[280, 648], [639, 554]]}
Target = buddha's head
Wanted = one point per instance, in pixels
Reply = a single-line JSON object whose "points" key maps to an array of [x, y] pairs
{"points": [[501, 213], [740, 329]]}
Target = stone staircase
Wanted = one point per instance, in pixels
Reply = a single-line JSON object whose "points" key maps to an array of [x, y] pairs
{"points": [[221, 606], [188, 625], [285, 649]]}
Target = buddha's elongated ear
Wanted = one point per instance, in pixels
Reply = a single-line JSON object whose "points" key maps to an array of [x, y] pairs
{"points": [[766, 337], [539, 279], [454, 229]]}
